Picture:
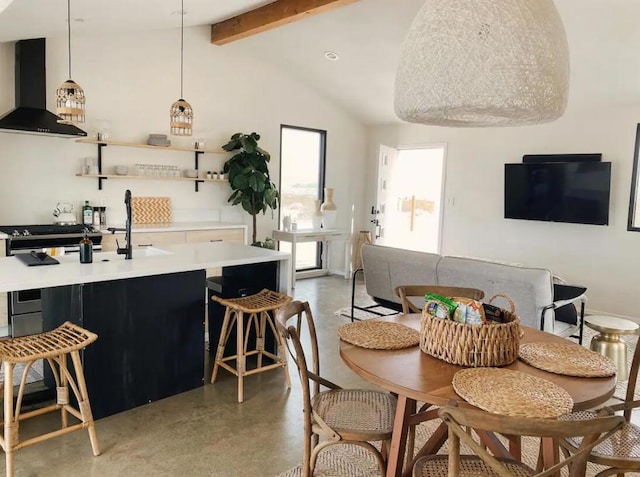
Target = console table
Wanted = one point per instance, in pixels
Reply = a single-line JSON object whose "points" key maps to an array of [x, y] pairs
{"points": [[326, 236]]}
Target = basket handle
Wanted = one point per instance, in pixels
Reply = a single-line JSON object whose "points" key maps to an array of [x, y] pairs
{"points": [[506, 297]]}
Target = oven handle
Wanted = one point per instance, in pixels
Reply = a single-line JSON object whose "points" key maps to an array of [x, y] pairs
{"points": [[67, 249]]}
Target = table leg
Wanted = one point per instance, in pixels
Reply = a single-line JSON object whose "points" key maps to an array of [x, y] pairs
{"points": [[326, 256], [405, 408], [550, 452], [293, 262]]}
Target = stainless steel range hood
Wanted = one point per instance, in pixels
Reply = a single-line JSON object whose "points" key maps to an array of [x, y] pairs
{"points": [[30, 115]]}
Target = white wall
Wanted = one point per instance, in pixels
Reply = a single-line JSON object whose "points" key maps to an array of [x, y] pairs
{"points": [[606, 259], [131, 81]]}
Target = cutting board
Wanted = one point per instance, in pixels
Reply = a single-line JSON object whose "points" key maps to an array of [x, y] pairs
{"points": [[151, 210]]}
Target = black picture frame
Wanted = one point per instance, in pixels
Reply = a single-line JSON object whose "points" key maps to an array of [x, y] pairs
{"points": [[633, 197]]}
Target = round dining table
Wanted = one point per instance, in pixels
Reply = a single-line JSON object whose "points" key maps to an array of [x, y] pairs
{"points": [[414, 376]]}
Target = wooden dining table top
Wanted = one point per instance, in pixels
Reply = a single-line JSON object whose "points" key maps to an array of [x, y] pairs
{"points": [[412, 373]]}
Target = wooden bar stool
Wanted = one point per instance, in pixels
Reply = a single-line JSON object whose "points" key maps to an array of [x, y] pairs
{"points": [[54, 346], [256, 309]]}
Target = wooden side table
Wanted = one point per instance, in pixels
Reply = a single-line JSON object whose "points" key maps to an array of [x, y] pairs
{"points": [[608, 342]]}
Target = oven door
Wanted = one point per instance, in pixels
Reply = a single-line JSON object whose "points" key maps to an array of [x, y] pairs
{"points": [[27, 324], [24, 301]]}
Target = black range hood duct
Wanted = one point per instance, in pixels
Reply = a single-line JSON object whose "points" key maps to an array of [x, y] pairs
{"points": [[30, 115]]}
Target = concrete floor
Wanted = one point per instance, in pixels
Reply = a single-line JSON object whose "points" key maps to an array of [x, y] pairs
{"points": [[203, 432]]}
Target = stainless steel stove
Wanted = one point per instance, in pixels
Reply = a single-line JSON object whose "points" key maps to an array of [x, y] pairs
{"points": [[25, 307]]}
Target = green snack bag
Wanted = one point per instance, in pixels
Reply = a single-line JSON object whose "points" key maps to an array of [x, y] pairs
{"points": [[448, 303]]}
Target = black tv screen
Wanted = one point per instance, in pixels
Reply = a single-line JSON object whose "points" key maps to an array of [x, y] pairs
{"points": [[575, 192]]}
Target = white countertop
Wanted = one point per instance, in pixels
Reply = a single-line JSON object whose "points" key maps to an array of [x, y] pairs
{"points": [[177, 227], [15, 275]]}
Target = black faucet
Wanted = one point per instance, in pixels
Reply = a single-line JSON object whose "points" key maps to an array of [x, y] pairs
{"points": [[127, 251]]}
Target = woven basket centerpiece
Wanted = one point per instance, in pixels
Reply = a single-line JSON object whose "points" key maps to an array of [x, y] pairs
{"points": [[472, 345]]}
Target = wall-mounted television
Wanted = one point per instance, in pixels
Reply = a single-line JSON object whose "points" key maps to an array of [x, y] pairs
{"points": [[574, 192]]}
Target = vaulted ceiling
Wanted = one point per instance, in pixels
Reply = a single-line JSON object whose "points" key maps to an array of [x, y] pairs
{"points": [[367, 35]]}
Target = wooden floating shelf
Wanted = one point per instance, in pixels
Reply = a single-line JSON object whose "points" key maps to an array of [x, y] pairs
{"points": [[160, 178], [148, 146]]}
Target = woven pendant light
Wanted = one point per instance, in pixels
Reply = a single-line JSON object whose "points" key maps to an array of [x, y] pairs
{"points": [[70, 100], [181, 113], [474, 63]]}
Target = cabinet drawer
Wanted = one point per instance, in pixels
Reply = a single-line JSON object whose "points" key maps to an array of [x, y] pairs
{"points": [[109, 242], [156, 239], [232, 235]]}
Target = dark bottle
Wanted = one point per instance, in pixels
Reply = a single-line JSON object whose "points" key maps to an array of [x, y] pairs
{"points": [[86, 249]]}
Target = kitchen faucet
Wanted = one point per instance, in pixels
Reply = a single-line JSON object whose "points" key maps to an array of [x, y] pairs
{"points": [[127, 251]]}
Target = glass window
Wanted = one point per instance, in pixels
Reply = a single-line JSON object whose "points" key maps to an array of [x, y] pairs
{"points": [[302, 160]]}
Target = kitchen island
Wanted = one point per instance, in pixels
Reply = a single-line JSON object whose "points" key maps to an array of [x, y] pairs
{"points": [[148, 313]]}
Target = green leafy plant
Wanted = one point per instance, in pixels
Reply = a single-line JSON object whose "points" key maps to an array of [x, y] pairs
{"points": [[249, 176]]}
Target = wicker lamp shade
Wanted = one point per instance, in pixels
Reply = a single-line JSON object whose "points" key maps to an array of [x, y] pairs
{"points": [[70, 102], [181, 118], [474, 63]]}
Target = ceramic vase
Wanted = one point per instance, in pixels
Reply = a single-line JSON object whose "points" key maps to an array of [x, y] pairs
{"points": [[316, 218], [328, 209]]}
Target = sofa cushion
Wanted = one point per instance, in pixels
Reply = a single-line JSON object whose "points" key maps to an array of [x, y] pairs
{"points": [[386, 268], [530, 288]]}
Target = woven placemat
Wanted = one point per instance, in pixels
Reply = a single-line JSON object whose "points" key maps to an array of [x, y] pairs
{"points": [[379, 335], [567, 359], [512, 393]]}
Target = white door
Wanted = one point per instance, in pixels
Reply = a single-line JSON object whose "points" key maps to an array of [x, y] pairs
{"points": [[386, 161], [409, 200]]}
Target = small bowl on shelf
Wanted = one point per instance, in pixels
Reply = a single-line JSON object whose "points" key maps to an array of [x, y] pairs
{"points": [[122, 170], [191, 173]]}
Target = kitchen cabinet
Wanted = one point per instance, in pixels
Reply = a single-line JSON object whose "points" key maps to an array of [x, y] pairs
{"points": [[161, 238], [102, 176], [215, 235]]}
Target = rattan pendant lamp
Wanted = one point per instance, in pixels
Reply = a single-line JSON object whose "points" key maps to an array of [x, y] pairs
{"points": [[70, 100], [475, 63], [181, 113]]}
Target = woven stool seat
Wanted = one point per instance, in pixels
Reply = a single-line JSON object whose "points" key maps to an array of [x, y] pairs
{"points": [[64, 339], [265, 300], [255, 309], [55, 346]]}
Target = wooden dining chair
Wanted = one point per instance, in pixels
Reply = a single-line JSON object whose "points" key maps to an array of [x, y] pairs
{"points": [[458, 420], [405, 292], [337, 415], [621, 453]]}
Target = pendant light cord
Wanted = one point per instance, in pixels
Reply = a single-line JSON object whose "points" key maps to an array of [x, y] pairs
{"points": [[69, 33], [181, 46]]}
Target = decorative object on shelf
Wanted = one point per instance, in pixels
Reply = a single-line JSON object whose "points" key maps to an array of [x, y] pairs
{"points": [[328, 209], [122, 170], [181, 113], [158, 140], [70, 99], [249, 176], [286, 223], [191, 173], [316, 218], [472, 63]]}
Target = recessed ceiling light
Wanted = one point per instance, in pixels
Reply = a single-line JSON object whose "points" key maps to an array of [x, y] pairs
{"points": [[331, 55]]}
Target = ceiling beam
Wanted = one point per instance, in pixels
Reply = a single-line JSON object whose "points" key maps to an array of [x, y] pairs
{"points": [[269, 16]]}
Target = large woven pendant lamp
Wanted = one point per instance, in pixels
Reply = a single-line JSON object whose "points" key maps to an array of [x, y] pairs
{"points": [[474, 63], [181, 113], [70, 100]]}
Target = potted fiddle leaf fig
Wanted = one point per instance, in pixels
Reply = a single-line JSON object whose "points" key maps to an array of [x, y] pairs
{"points": [[249, 177]]}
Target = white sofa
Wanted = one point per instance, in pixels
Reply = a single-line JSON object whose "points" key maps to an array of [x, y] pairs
{"points": [[531, 289]]}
